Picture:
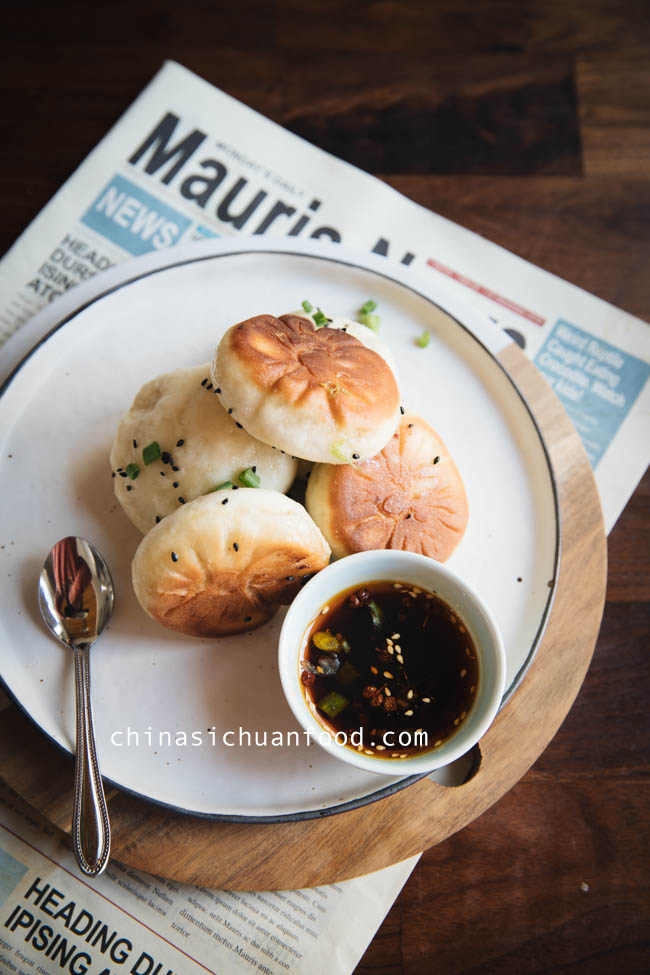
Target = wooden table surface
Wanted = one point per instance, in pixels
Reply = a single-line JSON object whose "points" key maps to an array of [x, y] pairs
{"points": [[529, 123]]}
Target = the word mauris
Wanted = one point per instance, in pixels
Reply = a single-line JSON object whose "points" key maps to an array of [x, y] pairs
{"points": [[237, 203]]}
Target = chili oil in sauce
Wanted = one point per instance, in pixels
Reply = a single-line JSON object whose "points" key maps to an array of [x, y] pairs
{"points": [[390, 658]]}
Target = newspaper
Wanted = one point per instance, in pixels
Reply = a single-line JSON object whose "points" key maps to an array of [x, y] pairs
{"points": [[187, 162], [53, 920]]}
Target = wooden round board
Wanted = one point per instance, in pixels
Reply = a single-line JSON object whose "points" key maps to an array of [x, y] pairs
{"points": [[318, 851]]}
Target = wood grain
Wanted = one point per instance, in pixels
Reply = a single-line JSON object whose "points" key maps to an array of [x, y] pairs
{"points": [[69, 72], [271, 856]]}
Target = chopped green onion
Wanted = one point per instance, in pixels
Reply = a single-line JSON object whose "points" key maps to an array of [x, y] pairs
{"points": [[424, 339], [332, 704], [348, 674], [336, 451], [326, 641], [307, 306], [320, 318], [221, 487], [249, 478], [132, 470], [151, 452], [369, 306], [376, 614], [370, 321]]}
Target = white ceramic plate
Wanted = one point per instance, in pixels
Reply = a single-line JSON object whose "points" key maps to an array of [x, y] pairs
{"points": [[58, 414]]}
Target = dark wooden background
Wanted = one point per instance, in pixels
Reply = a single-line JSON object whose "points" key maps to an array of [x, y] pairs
{"points": [[528, 122]]}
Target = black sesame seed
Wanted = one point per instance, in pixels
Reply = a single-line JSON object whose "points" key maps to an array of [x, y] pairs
{"points": [[230, 410], [238, 424], [519, 579], [435, 460], [179, 443], [181, 500], [204, 381], [408, 516], [247, 619], [165, 457], [254, 469], [235, 546], [355, 456], [218, 389], [225, 501], [410, 425], [344, 329], [135, 443], [209, 386], [174, 468], [174, 557], [235, 487], [122, 473], [162, 474], [402, 410], [157, 518], [129, 487], [113, 474], [175, 484]]}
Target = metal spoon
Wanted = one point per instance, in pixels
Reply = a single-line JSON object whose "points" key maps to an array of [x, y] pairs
{"points": [[75, 596]]}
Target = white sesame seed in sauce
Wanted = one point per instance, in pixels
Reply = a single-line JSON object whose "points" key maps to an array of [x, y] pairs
{"points": [[409, 695], [398, 649], [395, 636], [463, 672], [397, 585], [426, 700], [409, 713], [324, 610], [381, 748], [436, 743], [400, 658], [388, 692], [367, 751], [388, 675]]}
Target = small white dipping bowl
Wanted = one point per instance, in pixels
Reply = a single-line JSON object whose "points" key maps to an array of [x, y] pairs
{"points": [[417, 570]]}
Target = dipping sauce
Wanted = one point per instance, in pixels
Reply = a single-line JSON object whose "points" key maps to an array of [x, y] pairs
{"points": [[392, 667]]}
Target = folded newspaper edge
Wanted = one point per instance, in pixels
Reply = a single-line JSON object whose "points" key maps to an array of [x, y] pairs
{"points": [[188, 162]]}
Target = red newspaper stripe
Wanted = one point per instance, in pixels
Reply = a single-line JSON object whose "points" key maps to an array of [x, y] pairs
{"points": [[482, 290]]}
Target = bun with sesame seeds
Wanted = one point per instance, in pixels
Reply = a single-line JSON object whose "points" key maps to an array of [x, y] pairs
{"points": [[410, 496], [317, 393], [199, 447], [223, 563]]}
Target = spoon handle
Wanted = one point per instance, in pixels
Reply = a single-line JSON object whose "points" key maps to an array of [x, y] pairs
{"points": [[91, 833]]}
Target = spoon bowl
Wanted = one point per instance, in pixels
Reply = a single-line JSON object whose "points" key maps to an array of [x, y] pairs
{"points": [[76, 597]]}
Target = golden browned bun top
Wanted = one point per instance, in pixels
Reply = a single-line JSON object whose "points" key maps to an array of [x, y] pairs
{"points": [[224, 562], [409, 497], [325, 369]]}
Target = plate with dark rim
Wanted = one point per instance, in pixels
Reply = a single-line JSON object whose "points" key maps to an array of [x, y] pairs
{"points": [[164, 702]]}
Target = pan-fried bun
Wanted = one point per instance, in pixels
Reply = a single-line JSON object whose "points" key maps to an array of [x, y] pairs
{"points": [[410, 496], [225, 562], [365, 335], [318, 394], [201, 447]]}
